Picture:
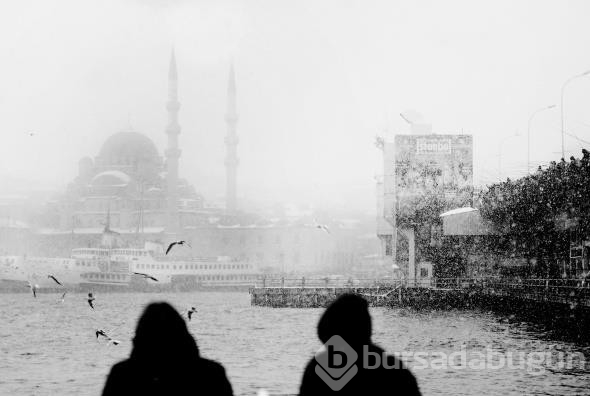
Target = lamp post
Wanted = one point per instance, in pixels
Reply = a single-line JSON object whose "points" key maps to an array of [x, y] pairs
{"points": [[528, 141], [516, 134], [562, 120]]}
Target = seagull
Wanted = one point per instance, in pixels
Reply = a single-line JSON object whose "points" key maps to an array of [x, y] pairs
{"points": [[33, 289], [55, 279], [176, 243], [146, 276], [190, 312], [63, 297], [321, 226], [90, 300], [110, 340]]}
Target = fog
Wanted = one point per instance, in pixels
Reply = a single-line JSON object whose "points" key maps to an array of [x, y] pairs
{"points": [[316, 82]]}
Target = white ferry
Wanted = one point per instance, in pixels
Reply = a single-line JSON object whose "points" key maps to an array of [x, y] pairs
{"points": [[116, 267], [36, 270], [122, 263]]}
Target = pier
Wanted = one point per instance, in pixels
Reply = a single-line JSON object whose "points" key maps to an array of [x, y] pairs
{"points": [[446, 293]]}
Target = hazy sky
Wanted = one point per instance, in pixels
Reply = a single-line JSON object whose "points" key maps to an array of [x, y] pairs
{"points": [[317, 80]]}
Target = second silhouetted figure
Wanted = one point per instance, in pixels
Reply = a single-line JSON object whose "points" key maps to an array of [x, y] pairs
{"points": [[350, 364]]}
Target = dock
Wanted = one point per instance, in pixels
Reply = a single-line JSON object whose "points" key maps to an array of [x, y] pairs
{"points": [[447, 293]]}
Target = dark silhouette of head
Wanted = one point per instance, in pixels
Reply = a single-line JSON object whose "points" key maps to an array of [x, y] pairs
{"points": [[348, 316], [162, 339]]}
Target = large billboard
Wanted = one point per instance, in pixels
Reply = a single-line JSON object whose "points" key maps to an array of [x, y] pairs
{"points": [[416, 164]]}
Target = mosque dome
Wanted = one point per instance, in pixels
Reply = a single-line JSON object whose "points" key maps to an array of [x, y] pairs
{"points": [[128, 148], [111, 178]]}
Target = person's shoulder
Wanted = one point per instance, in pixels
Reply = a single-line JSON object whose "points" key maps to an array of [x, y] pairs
{"points": [[311, 384], [118, 379], [403, 378], [211, 369], [210, 365], [393, 369], [216, 380], [123, 366]]}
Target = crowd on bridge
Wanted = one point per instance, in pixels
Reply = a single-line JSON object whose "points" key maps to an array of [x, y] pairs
{"points": [[541, 213]]}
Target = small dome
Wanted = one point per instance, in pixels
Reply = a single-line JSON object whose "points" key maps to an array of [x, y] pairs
{"points": [[128, 148], [85, 166], [85, 162], [111, 178]]}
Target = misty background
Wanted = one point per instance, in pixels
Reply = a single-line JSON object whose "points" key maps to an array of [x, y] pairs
{"points": [[316, 82]]}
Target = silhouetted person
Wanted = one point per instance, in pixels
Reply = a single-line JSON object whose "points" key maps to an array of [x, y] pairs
{"points": [[165, 360], [348, 317]]}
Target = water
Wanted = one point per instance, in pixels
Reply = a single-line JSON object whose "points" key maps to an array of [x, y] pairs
{"points": [[50, 348]]}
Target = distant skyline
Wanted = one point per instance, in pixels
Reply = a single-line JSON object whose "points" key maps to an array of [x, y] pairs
{"points": [[316, 82]]}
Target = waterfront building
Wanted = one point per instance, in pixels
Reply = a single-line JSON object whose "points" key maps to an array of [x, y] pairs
{"points": [[415, 165]]}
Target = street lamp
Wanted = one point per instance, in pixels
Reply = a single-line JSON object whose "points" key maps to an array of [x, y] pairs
{"points": [[528, 142], [562, 120], [516, 134]]}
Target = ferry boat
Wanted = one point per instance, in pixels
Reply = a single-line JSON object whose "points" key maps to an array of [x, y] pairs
{"points": [[116, 267], [112, 265]]}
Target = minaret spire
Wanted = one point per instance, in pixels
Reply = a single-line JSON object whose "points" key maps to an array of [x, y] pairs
{"points": [[231, 143], [172, 152]]}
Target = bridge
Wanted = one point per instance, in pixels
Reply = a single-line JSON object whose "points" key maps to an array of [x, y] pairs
{"points": [[304, 292]]}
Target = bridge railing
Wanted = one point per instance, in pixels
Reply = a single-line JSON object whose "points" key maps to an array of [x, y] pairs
{"points": [[324, 282], [440, 283]]}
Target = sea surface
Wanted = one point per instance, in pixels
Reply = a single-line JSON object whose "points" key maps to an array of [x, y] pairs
{"points": [[49, 348]]}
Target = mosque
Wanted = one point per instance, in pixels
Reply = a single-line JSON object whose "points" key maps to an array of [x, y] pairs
{"points": [[143, 198], [139, 188]]}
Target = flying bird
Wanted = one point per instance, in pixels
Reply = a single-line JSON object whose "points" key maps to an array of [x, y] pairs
{"points": [[321, 226], [176, 243], [55, 279], [91, 300], [146, 276], [190, 313], [110, 340], [33, 289]]}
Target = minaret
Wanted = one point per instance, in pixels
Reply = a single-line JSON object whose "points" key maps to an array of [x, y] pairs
{"points": [[172, 152], [231, 143]]}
